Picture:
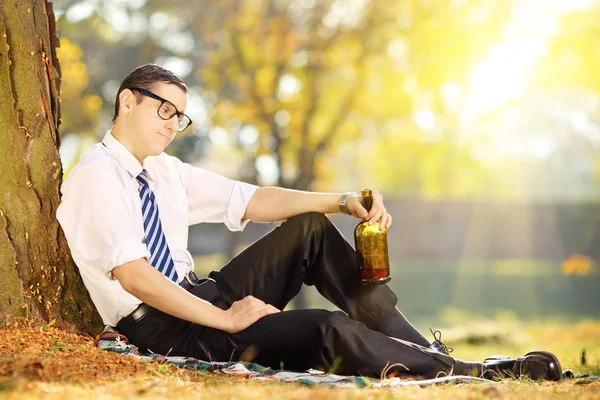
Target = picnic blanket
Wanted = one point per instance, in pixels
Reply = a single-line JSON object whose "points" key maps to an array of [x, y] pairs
{"points": [[111, 340]]}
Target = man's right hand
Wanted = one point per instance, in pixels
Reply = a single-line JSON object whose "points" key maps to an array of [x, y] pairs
{"points": [[247, 311], [170, 298]]}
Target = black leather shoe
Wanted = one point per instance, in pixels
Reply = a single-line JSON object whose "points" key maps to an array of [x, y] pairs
{"points": [[537, 365]]}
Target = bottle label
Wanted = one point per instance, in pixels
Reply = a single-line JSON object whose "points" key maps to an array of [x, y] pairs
{"points": [[372, 253], [373, 260]]}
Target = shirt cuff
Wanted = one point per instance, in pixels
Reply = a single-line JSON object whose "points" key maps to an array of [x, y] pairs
{"points": [[240, 197], [122, 252]]}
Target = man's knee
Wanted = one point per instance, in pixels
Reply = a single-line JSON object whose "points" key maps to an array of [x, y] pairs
{"points": [[310, 218]]}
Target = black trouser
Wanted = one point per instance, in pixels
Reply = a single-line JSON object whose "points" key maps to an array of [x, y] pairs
{"points": [[305, 249]]}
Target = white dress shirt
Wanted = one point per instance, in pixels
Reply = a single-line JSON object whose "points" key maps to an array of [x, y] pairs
{"points": [[101, 215]]}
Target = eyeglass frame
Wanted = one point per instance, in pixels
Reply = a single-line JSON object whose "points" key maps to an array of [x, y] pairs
{"points": [[148, 93]]}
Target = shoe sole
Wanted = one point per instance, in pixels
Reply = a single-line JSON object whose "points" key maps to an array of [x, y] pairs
{"points": [[552, 357]]}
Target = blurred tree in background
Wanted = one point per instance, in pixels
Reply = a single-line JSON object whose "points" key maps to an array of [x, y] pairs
{"points": [[291, 81], [83, 105], [411, 97], [573, 57], [446, 99], [475, 101]]}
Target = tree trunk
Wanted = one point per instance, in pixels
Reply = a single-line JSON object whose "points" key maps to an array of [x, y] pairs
{"points": [[38, 277]]}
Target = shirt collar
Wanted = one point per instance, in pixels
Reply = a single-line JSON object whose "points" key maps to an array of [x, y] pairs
{"points": [[124, 156]]}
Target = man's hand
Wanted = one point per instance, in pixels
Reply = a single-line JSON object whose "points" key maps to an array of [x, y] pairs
{"points": [[245, 312], [377, 213]]}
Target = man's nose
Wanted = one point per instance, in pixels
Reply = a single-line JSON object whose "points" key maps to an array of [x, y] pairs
{"points": [[172, 125]]}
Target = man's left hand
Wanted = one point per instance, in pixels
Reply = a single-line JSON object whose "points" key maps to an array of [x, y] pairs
{"points": [[377, 213]]}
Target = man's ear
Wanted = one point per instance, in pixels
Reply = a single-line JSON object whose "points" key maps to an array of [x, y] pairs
{"points": [[126, 101]]}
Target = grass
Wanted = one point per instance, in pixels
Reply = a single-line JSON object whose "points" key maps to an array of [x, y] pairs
{"points": [[566, 341], [206, 387], [46, 363]]}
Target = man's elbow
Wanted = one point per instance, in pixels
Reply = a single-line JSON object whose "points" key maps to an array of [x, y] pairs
{"points": [[125, 283], [251, 208], [126, 277]]}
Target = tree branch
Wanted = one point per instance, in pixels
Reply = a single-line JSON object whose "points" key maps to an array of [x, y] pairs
{"points": [[346, 105]]}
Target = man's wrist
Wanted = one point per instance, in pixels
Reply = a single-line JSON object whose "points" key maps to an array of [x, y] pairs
{"points": [[343, 202], [226, 323]]}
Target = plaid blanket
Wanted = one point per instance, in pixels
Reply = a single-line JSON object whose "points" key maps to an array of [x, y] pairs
{"points": [[113, 341]]}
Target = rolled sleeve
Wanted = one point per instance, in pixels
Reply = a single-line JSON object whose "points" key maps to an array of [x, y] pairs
{"points": [[122, 252], [241, 194], [98, 219]]}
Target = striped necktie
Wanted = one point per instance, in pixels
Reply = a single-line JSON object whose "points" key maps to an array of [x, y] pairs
{"points": [[156, 242]]}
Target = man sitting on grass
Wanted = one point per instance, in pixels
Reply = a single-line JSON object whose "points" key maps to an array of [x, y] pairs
{"points": [[126, 208]]}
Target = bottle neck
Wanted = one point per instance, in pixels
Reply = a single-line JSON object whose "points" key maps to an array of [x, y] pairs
{"points": [[367, 199], [367, 202]]}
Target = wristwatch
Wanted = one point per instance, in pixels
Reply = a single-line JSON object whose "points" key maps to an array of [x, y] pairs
{"points": [[343, 200]]}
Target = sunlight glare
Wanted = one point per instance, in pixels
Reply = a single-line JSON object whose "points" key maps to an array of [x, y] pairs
{"points": [[268, 172], [79, 12], [451, 92], [541, 146], [289, 85], [218, 135], [565, 6], [502, 76], [424, 119]]}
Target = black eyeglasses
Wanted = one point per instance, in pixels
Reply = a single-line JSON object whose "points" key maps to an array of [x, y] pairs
{"points": [[167, 110]]}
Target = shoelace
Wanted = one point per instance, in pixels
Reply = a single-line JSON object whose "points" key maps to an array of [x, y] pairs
{"points": [[437, 335]]}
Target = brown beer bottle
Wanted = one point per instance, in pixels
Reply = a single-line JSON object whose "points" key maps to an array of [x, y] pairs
{"points": [[371, 247]]}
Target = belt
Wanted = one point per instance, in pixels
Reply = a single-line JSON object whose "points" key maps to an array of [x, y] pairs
{"points": [[189, 281]]}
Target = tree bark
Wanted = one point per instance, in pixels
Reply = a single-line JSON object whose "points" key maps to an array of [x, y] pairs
{"points": [[39, 279]]}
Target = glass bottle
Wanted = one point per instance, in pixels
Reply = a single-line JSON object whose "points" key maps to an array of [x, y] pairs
{"points": [[371, 247]]}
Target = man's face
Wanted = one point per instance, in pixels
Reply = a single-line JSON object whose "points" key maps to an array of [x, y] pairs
{"points": [[149, 133]]}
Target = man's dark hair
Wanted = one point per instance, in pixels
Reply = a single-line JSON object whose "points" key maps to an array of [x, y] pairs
{"points": [[145, 77]]}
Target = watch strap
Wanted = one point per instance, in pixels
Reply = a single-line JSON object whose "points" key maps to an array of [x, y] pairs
{"points": [[343, 200]]}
